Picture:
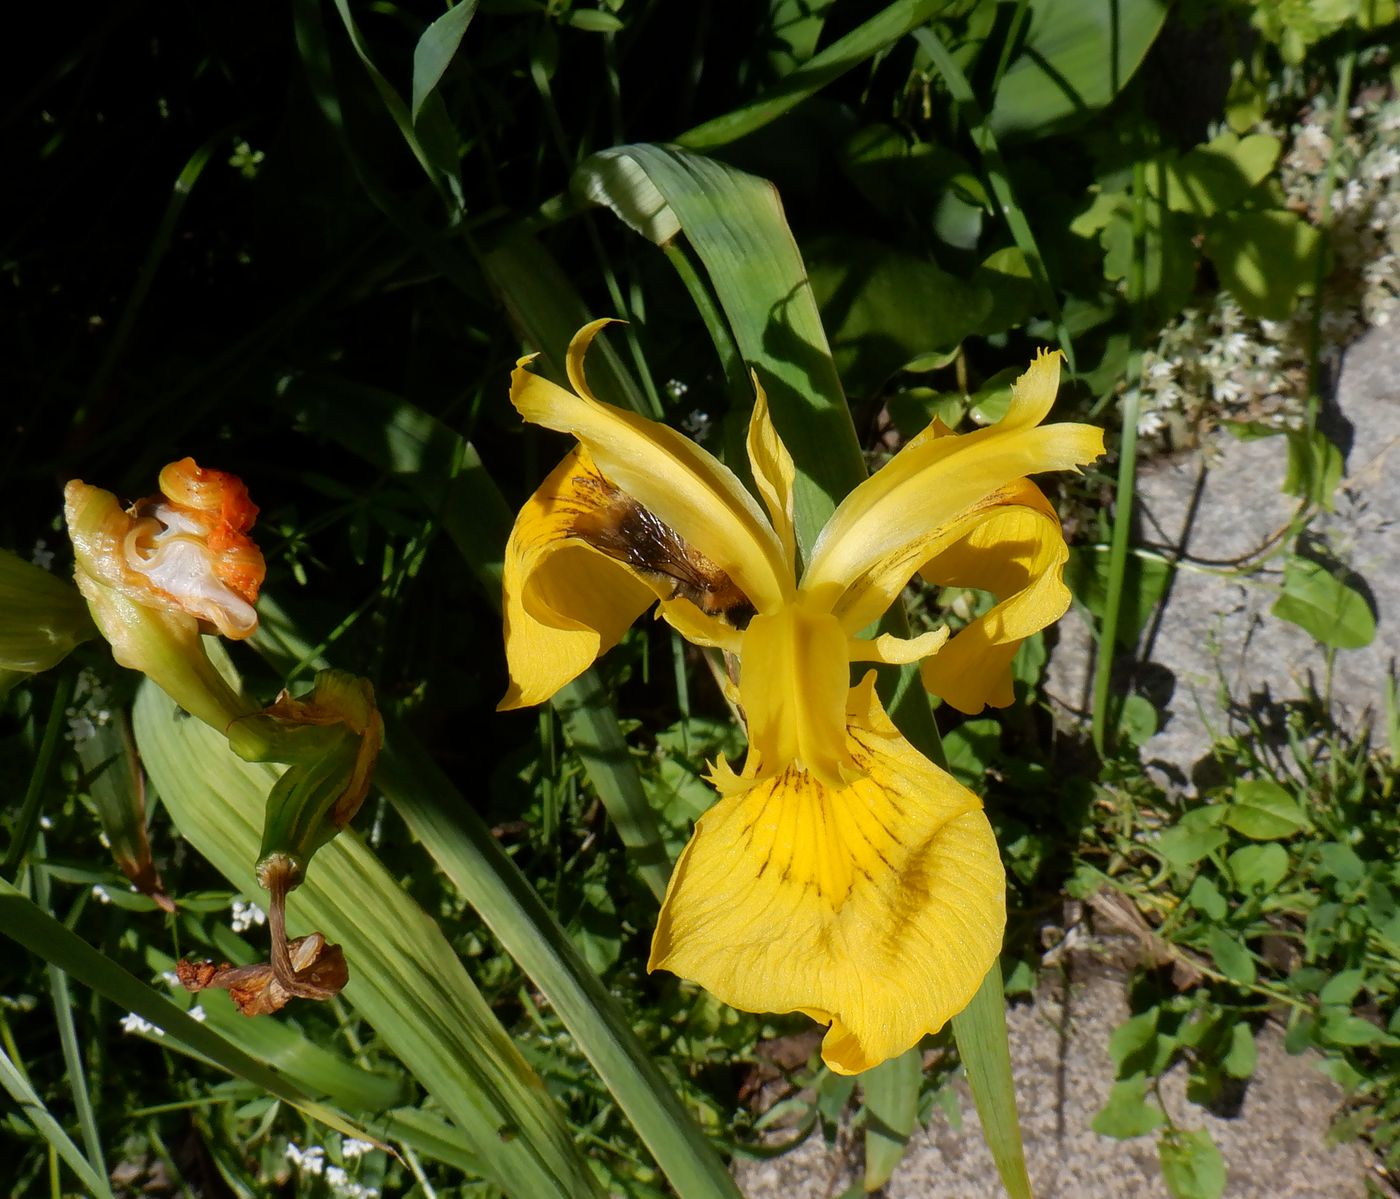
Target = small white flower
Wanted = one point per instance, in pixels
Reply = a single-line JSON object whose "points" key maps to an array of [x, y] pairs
{"points": [[675, 388], [42, 556], [697, 425], [1151, 423], [350, 1148], [309, 1161], [80, 727], [99, 893], [245, 915], [169, 978], [197, 1014], [133, 1023]]}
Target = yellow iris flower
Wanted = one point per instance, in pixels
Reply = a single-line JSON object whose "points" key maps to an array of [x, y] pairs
{"points": [[841, 873]]}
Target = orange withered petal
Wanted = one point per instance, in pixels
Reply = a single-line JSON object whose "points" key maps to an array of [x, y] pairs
{"points": [[226, 514]]}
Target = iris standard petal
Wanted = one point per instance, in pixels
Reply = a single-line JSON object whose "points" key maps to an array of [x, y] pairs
{"points": [[564, 602], [685, 487], [773, 473], [879, 906], [904, 513], [1018, 553]]}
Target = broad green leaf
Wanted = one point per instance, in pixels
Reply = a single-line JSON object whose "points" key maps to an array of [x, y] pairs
{"points": [[1217, 176], [1259, 867], [1076, 57], [404, 978], [435, 49], [1183, 846], [1128, 1041], [1137, 720], [971, 748], [1264, 811], [595, 20], [1006, 276], [1342, 988], [1314, 467], [1205, 897], [1192, 1166], [1231, 956], [1241, 1057], [1340, 862], [891, 1113], [1127, 1112], [1267, 258], [864, 42], [980, 1032], [42, 617], [1342, 1028], [884, 308], [1314, 598]]}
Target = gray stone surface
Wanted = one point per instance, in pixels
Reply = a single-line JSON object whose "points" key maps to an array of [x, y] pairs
{"points": [[1214, 636], [1275, 1148]]}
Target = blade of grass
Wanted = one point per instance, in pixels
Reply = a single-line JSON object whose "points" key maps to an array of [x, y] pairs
{"points": [[25, 923], [464, 849], [32, 1107], [68, 1037], [995, 166], [983, 1045], [405, 979], [1104, 711]]}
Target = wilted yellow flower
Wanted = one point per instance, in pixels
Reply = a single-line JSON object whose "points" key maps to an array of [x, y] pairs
{"points": [[160, 573], [841, 874]]}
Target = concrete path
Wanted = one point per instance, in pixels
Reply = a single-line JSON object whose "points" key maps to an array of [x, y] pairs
{"points": [[1275, 1148], [1214, 635]]}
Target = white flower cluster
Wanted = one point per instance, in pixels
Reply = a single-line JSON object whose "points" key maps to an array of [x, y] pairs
{"points": [[1216, 363], [245, 915], [313, 1161], [89, 710]]}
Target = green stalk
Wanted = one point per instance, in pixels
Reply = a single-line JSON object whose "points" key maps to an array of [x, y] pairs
{"points": [[28, 820], [1127, 472], [68, 1040], [985, 1049], [1324, 222], [995, 165], [31, 1108]]}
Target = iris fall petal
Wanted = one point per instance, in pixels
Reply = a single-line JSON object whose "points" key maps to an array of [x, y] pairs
{"points": [[878, 907]]}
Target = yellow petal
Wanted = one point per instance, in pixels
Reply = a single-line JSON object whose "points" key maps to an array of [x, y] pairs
{"points": [[148, 632], [897, 651], [794, 675], [700, 628], [687, 488], [564, 603], [1033, 394], [913, 507], [879, 907], [773, 472], [1018, 553]]}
